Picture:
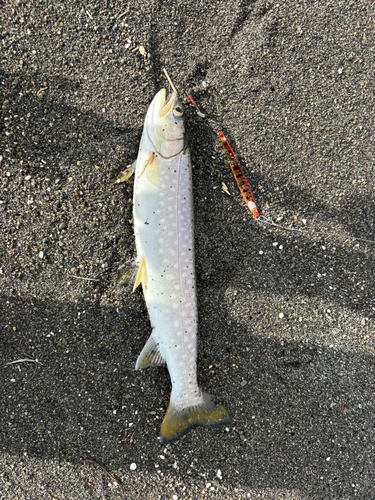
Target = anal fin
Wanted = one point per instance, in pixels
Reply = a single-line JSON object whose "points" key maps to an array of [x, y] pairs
{"points": [[150, 355], [179, 421]]}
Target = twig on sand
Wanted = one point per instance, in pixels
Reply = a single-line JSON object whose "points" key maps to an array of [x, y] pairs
{"points": [[40, 93], [26, 360], [80, 278], [170, 81], [105, 470]]}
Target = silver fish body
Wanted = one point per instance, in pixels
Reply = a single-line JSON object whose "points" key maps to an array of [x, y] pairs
{"points": [[164, 235]]}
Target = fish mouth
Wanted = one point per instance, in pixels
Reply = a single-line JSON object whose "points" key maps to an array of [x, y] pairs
{"points": [[167, 102]]}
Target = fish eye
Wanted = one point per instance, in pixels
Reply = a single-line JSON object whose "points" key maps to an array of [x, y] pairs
{"points": [[178, 111]]}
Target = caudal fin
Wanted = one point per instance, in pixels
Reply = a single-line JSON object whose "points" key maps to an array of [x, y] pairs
{"points": [[177, 422]]}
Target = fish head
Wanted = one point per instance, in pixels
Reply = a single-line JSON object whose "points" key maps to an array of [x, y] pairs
{"points": [[166, 124]]}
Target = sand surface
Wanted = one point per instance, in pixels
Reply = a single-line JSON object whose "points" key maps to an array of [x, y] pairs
{"points": [[286, 337]]}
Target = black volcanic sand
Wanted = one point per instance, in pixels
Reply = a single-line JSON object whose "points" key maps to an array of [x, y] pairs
{"points": [[286, 337]]}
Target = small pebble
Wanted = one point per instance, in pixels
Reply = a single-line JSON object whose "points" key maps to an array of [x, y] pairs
{"points": [[41, 254], [133, 466], [281, 315]]}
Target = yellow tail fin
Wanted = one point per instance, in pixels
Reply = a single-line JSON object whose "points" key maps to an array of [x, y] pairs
{"points": [[177, 422]]}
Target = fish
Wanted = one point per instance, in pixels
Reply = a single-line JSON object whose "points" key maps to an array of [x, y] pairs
{"points": [[164, 238]]}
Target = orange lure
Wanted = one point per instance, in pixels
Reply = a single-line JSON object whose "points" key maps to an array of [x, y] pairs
{"points": [[242, 184]]}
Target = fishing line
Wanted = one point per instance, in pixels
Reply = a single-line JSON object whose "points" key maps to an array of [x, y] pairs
{"points": [[170, 81], [305, 230]]}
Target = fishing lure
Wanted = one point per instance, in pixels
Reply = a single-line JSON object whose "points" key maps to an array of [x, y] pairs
{"points": [[242, 184]]}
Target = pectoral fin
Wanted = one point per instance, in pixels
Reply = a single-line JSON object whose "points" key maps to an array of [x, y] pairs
{"points": [[126, 174], [141, 275], [151, 170]]}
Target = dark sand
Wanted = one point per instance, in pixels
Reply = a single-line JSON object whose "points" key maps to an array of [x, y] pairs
{"points": [[286, 339]]}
